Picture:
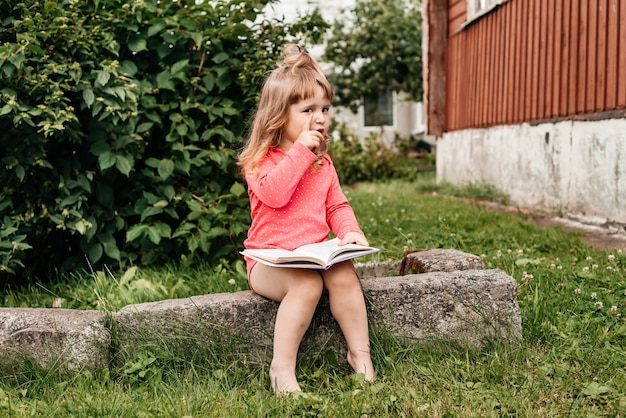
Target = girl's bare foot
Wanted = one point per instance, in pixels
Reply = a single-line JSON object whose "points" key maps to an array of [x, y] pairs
{"points": [[361, 362], [283, 383]]}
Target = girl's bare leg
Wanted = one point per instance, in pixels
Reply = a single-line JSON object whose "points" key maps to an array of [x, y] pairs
{"points": [[298, 291], [347, 305]]}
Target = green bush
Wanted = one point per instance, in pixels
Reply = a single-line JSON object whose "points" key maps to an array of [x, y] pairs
{"points": [[120, 123], [367, 159]]}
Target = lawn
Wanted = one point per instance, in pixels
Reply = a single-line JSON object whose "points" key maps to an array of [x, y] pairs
{"points": [[571, 362]]}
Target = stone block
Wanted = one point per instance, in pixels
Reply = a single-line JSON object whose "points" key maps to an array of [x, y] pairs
{"points": [[242, 322], [421, 261], [467, 308], [54, 338], [464, 308], [372, 269], [424, 261], [452, 300]]}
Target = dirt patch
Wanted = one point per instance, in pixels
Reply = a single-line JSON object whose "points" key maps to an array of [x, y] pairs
{"points": [[601, 237], [599, 234]]}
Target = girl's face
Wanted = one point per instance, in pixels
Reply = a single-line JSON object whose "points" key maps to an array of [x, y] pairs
{"points": [[299, 118]]}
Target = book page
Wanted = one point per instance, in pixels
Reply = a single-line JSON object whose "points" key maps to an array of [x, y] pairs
{"points": [[275, 255], [326, 250], [318, 255]]}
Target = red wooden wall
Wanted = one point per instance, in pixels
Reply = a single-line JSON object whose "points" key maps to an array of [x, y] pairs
{"points": [[535, 60]]}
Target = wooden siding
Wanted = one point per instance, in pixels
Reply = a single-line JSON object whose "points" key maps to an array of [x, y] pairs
{"points": [[457, 14], [536, 60]]}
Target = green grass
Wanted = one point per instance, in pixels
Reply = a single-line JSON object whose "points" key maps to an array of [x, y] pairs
{"points": [[572, 361]]}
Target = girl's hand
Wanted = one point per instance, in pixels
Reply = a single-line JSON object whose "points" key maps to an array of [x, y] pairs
{"points": [[310, 138], [354, 238]]}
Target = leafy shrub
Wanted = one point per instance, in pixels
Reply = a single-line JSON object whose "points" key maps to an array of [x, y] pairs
{"points": [[120, 123]]}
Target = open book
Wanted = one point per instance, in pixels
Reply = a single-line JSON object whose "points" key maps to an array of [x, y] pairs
{"points": [[319, 256]]}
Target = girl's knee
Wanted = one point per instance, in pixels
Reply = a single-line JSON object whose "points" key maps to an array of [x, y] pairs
{"points": [[315, 285], [343, 287], [310, 286], [345, 279]]}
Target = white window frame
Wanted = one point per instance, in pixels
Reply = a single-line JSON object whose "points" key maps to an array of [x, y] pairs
{"points": [[392, 98], [478, 8]]}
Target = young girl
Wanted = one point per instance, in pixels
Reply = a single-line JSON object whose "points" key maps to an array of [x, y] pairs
{"points": [[296, 199]]}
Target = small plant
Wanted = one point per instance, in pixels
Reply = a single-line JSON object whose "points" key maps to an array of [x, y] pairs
{"points": [[12, 243], [143, 368]]}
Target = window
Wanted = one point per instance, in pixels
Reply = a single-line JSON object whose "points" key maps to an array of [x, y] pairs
{"points": [[378, 111], [477, 8]]}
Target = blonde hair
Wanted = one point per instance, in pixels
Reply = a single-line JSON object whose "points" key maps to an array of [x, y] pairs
{"points": [[295, 79]]}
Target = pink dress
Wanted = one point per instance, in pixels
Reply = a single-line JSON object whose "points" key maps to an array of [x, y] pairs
{"points": [[293, 204]]}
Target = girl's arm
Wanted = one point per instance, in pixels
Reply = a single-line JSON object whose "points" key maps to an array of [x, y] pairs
{"points": [[277, 182], [339, 213]]}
